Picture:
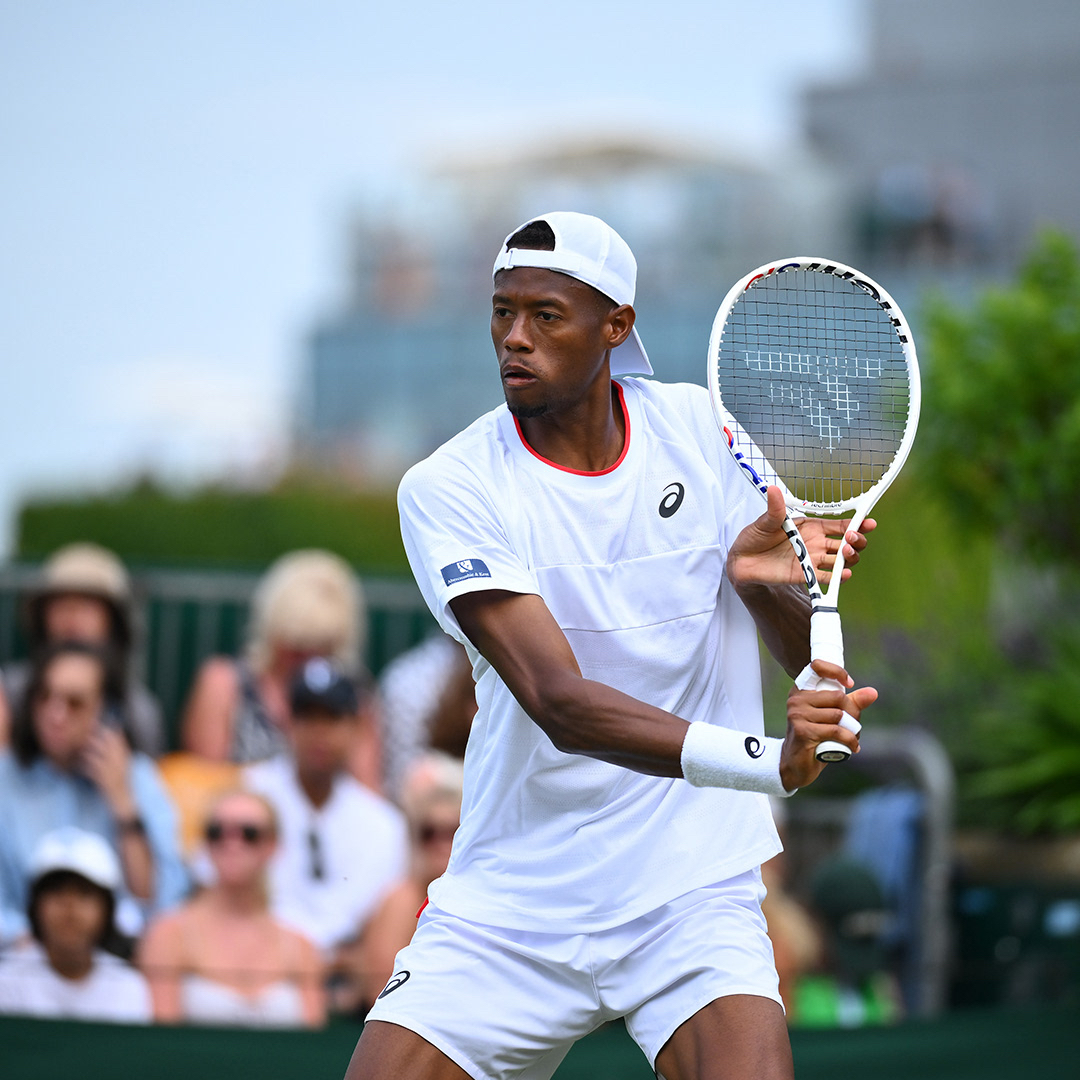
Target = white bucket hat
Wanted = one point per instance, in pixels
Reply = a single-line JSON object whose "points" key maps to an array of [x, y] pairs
{"points": [[590, 250]]}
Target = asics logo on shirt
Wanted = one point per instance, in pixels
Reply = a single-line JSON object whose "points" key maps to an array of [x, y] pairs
{"points": [[672, 500], [754, 747], [397, 980]]}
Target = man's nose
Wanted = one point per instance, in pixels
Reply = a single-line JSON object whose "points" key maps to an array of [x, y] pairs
{"points": [[517, 337]]}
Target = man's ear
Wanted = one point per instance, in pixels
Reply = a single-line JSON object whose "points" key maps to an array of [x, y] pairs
{"points": [[621, 322]]}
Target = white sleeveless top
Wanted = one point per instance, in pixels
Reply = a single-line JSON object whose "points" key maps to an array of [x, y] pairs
{"points": [[206, 1001]]}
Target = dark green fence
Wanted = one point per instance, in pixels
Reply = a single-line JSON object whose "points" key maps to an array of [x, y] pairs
{"points": [[185, 616]]}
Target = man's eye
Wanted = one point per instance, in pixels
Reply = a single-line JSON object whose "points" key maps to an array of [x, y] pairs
{"points": [[547, 316], [500, 312]]}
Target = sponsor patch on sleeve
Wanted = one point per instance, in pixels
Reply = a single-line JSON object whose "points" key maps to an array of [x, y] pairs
{"points": [[465, 569]]}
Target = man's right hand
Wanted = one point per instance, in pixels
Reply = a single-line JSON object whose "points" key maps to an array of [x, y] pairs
{"points": [[814, 717]]}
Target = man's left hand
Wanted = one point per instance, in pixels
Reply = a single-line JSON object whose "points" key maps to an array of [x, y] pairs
{"points": [[762, 553]]}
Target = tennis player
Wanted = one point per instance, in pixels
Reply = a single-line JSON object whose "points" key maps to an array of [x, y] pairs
{"points": [[595, 550]]}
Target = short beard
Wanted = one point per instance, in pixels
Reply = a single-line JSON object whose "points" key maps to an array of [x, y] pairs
{"points": [[527, 412]]}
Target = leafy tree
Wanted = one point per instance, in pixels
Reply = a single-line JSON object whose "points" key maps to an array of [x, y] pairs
{"points": [[1000, 444], [1002, 437]]}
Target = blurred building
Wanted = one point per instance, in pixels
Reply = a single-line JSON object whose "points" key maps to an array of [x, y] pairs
{"points": [[934, 168], [963, 139], [408, 361]]}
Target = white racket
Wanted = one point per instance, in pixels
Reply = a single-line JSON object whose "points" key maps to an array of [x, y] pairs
{"points": [[815, 383]]}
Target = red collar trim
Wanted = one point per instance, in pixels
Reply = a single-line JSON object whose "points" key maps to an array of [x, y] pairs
{"points": [[582, 472]]}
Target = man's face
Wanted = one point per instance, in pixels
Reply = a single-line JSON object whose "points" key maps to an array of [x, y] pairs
{"points": [[551, 333], [322, 741], [67, 708]]}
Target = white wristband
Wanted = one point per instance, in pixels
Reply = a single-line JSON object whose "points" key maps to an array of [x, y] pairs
{"points": [[722, 757]]}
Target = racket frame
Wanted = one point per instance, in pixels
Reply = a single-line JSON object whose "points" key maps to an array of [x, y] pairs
{"points": [[826, 637]]}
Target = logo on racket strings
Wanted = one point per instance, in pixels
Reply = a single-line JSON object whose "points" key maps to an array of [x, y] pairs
{"points": [[818, 386]]}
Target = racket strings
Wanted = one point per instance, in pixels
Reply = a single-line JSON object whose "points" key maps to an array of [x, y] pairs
{"points": [[811, 368]]}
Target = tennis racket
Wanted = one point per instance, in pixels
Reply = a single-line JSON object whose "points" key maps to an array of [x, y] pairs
{"points": [[815, 384]]}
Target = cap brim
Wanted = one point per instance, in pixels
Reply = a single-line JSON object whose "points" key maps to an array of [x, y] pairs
{"points": [[630, 357]]}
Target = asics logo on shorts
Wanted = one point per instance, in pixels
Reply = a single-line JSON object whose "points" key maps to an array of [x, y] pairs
{"points": [[754, 747], [672, 500], [397, 979]]}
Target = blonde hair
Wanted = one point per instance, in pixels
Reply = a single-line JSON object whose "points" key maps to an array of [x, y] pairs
{"points": [[432, 778], [308, 599]]}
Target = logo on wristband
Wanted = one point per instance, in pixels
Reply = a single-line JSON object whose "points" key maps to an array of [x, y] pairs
{"points": [[754, 747]]}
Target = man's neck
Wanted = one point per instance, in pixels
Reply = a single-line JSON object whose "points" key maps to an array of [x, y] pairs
{"points": [[318, 787], [589, 438]]}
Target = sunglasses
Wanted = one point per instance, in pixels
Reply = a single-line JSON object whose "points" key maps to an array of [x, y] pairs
{"points": [[217, 831], [429, 833]]}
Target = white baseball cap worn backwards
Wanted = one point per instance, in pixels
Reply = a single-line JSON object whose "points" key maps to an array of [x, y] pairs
{"points": [[590, 250]]}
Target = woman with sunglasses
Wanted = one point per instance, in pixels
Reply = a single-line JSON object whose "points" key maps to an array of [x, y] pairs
{"points": [[223, 958]]}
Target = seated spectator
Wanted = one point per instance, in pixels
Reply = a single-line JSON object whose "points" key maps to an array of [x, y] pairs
{"points": [[428, 702], [857, 988], [432, 801], [65, 973], [795, 936], [68, 765], [308, 604], [223, 958], [85, 595], [342, 846]]}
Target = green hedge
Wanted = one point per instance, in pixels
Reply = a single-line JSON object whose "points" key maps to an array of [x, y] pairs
{"points": [[151, 526]]}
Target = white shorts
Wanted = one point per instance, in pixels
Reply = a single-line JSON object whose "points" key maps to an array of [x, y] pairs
{"points": [[511, 1003]]}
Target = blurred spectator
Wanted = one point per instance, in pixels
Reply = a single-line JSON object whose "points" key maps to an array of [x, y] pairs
{"points": [[65, 972], [342, 846], [85, 595], [223, 958], [309, 603], [428, 703], [857, 989], [432, 800], [797, 941], [69, 765]]}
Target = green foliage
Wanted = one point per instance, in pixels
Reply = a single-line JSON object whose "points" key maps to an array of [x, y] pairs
{"points": [[148, 525], [1030, 736], [1000, 447], [1002, 430]]}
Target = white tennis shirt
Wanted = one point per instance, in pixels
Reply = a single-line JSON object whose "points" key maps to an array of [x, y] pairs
{"points": [[630, 562]]}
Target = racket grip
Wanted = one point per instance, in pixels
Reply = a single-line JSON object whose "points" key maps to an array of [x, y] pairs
{"points": [[827, 643]]}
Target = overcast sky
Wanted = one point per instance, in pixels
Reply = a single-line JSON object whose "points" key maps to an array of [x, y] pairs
{"points": [[175, 178]]}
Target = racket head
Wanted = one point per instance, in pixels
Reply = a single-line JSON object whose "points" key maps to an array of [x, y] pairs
{"points": [[814, 378]]}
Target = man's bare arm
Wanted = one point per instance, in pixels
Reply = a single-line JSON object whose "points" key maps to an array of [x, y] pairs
{"points": [[521, 640]]}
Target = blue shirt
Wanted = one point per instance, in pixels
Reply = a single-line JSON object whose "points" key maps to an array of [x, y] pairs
{"points": [[38, 798]]}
